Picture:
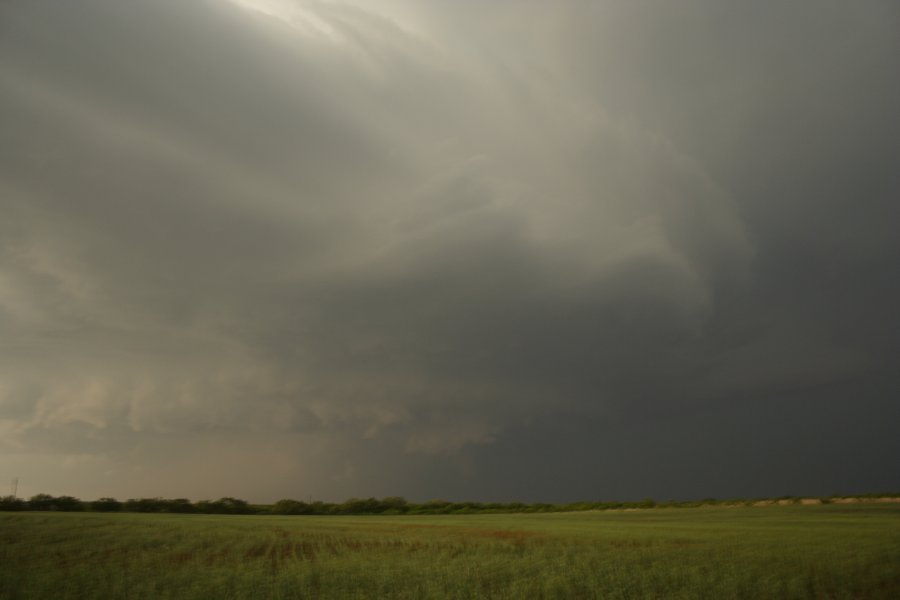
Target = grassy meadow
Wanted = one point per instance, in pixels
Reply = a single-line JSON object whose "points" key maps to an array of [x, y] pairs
{"points": [[825, 551]]}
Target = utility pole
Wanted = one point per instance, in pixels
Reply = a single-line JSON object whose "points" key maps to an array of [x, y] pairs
{"points": [[15, 487]]}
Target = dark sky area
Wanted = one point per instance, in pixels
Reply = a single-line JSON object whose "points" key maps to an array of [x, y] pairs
{"points": [[531, 250]]}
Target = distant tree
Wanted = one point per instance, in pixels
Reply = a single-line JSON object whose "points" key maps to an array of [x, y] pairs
{"points": [[359, 506], [61, 503], [236, 506], [225, 506], [291, 507], [320, 508], [68, 504], [394, 505], [435, 507], [41, 502], [106, 505], [145, 505], [178, 505], [11, 503]]}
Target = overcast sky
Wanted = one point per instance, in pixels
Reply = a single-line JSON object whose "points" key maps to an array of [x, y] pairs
{"points": [[513, 250]]}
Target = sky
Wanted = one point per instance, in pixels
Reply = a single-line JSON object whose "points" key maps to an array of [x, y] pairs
{"points": [[531, 250]]}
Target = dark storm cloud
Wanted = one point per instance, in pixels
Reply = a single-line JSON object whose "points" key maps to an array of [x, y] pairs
{"points": [[557, 251]]}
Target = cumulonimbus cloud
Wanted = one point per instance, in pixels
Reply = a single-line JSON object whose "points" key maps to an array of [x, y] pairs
{"points": [[352, 222]]}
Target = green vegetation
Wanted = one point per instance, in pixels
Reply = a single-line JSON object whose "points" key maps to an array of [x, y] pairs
{"points": [[783, 551], [393, 505]]}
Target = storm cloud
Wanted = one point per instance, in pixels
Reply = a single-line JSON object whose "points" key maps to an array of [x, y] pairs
{"points": [[530, 250]]}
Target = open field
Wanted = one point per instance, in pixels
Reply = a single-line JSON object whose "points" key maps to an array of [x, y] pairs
{"points": [[822, 551]]}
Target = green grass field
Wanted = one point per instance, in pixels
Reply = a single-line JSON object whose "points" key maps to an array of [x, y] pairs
{"points": [[828, 551]]}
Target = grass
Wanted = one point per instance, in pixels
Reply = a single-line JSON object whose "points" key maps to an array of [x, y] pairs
{"points": [[827, 551]]}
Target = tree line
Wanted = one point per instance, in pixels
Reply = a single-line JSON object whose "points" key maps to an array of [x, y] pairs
{"points": [[46, 502], [392, 505]]}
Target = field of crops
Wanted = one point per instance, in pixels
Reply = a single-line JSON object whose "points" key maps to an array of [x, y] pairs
{"points": [[827, 551]]}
